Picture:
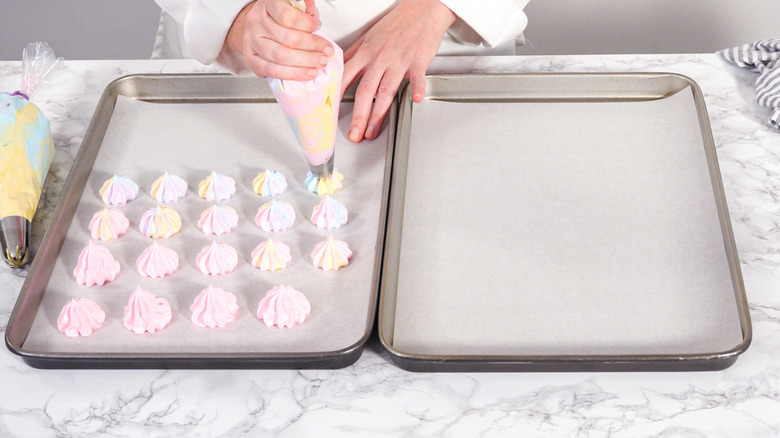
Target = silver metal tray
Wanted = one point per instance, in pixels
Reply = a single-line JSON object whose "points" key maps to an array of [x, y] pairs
{"points": [[559, 222], [343, 302]]}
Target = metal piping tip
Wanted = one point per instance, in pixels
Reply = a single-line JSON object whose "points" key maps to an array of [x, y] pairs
{"points": [[323, 170], [14, 235]]}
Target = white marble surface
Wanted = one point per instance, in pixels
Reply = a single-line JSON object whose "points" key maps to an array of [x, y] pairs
{"points": [[375, 398]]}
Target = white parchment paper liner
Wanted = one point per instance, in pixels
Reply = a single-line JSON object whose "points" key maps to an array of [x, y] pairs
{"points": [[564, 228]]}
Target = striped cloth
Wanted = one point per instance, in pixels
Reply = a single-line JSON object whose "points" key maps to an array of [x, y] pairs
{"points": [[762, 57]]}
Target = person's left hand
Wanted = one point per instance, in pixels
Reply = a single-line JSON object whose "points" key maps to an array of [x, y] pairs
{"points": [[401, 44]]}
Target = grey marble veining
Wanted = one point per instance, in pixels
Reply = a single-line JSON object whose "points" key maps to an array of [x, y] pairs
{"points": [[375, 398]]}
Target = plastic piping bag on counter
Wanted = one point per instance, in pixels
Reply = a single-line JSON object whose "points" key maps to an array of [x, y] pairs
{"points": [[26, 154], [312, 108]]}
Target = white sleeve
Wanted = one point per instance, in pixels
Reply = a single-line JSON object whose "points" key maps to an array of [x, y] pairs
{"points": [[489, 22], [205, 25]]}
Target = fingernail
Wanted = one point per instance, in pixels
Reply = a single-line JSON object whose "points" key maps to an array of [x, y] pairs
{"points": [[417, 97], [370, 132], [354, 135], [328, 50]]}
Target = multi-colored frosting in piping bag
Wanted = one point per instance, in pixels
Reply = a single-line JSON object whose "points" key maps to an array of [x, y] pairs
{"points": [[26, 153], [312, 107]]}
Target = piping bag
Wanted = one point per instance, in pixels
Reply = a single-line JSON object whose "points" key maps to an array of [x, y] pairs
{"points": [[26, 153], [312, 110]]}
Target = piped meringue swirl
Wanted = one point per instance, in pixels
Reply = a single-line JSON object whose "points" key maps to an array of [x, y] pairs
{"points": [[80, 317], [214, 307], [283, 307], [118, 190], [146, 312], [168, 188], [108, 223], [96, 265]]}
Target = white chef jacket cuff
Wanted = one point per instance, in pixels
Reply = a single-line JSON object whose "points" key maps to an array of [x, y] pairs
{"points": [[206, 25], [475, 26]]}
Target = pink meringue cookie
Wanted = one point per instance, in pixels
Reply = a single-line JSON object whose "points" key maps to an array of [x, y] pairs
{"points": [[283, 307], [271, 255], [146, 312], [275, 216], [331, 254], [96, 265], [160, 222], [157, 261], [214, 307], [118, 190], [217, 259], [108, 223], [216, 187], [218, 219], [80, 317], [168, 188], [269, 183], [329, 213]]}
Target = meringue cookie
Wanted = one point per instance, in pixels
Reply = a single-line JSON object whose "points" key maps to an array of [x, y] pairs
{"points": [[168, 188], [157, 261], [275, 216], [218, 220], [269, 183], [118, 190], [214, 307], [160, 222], [324, 186], [96, 265], [329, 213], [331, 254], [283, 307], [108, 223], [217, 259], [146, 312], [216, 187], [271, 255], [80, 317]]}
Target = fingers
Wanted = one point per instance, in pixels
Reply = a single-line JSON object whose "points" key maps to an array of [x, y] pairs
{"points": [[287, 16]]}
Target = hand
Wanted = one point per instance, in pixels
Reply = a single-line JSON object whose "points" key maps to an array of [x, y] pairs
{"points": [[401, 44], [276, 39]]}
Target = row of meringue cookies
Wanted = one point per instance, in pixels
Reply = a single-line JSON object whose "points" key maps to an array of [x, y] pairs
{"points": [[282, 306]]}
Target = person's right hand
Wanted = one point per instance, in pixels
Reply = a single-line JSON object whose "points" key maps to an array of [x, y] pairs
{"points": [[276, 40]]}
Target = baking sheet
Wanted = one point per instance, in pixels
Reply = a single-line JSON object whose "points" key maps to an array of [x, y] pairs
{"points": [[558, 227], [143, 140]]}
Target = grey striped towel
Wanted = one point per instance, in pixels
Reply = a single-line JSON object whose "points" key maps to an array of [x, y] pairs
{"points": [[762, 57]]}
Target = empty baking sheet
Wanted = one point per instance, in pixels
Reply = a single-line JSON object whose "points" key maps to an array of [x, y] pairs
{"points": [[559, 222], [190, 125]]}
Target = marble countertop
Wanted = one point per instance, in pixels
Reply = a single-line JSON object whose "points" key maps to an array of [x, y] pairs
{"points": [[375, 398]]}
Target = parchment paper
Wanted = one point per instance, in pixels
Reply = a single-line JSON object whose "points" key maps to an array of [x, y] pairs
{"points": [[240, 140], [561, 229]]}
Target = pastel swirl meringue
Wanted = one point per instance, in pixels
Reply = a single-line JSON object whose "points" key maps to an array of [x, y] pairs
{"points": [[80, 317], [108, 223], [218, 219], [217, 259], [275, 216], [283, 307], [160, 222], [214, 307], [146, 312], [96, 265], [217, 187], [324, 186], [329, 213], [269, 183], [157, 261], [118, 189], [271, 255], [331, 254], [168, 188]]}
